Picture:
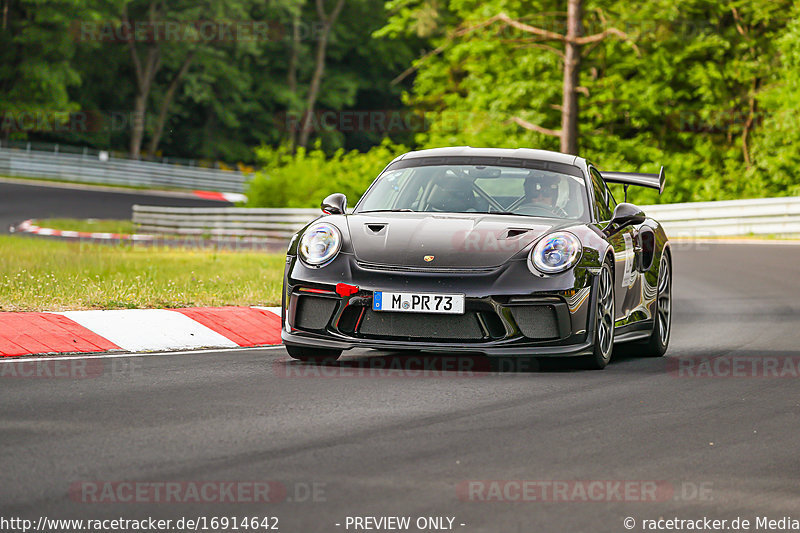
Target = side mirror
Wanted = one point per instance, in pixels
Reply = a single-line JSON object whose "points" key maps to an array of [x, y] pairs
{"points": [[625, 214], [335, 204]]}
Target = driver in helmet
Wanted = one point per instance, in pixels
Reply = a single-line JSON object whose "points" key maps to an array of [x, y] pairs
{"points": [[541, 190]]}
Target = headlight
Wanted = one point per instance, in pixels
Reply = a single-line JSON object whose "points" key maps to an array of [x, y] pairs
{"points": [[319, 244], [555, 253]]}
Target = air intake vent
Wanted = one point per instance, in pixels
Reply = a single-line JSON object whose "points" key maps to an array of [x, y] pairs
{"points": [[314, 312], [420, 326], [536, 321], [376, 229], [515, 232]]}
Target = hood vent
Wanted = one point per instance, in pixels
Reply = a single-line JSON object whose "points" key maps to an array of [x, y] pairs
{"points": [[515, 232], [376, 229]]}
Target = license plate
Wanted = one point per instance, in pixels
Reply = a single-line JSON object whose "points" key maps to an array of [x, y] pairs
{"points": [[414, 302]]}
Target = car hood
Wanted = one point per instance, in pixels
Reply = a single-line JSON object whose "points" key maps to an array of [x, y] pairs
{"points": [[445, 240]]}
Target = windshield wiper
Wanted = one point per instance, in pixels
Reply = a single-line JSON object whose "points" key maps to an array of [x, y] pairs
{"points": [[388, 211], [505, 213]]}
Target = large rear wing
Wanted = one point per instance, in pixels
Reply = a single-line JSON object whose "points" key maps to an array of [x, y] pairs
{"points": [[654, 181]]}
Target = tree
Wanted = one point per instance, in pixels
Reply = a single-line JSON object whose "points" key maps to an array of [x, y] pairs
{"points": [[572, 40], [327, 20], [177, 50], [36, 49], [776, 144], [353, 73], [677, 91]]}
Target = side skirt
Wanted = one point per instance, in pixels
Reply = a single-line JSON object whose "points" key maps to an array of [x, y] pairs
{"points": [[633, 332]]}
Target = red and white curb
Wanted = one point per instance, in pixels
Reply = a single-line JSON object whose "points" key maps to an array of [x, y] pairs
{"points": [[138, 330], [231, 197], [28, 226]]}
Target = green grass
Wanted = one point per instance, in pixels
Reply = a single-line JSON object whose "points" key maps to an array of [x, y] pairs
{"points": [[89, 225], [47, 275]]}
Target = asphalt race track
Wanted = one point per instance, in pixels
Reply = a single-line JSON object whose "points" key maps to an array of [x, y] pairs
{"points": [[717, 446], [20, 202]]}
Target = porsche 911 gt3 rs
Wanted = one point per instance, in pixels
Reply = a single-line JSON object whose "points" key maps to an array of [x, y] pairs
{"points": [[503, 252]]}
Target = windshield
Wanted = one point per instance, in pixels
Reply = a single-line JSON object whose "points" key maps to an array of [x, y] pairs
{"points": [[478, 189]]}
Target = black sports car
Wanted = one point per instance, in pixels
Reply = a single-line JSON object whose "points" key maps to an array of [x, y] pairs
{"points": [[513, 253]]}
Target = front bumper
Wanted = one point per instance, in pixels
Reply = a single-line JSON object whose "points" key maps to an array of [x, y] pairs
{"points": [[508, 311]]}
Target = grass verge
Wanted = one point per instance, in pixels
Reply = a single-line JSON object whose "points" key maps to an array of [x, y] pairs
{"points": [[47, 275], [91, 225]]}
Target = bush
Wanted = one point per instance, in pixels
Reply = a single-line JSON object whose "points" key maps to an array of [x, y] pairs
{"points": [[304, 179]]}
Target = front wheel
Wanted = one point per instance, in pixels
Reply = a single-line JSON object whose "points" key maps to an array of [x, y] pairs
{"points": [[312, 355], [603, 321]]}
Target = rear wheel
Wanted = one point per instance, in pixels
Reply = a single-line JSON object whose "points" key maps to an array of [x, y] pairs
{"points": [[604, 321], [312, 355], [657, 344]]}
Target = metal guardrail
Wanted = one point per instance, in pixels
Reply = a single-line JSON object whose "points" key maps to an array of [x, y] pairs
{"points": [[47, 147], [268, 224], [106, 170], [762, 216], [687, 220]]}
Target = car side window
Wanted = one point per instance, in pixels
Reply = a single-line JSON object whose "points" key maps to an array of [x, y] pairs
{"points": [[601, 196]]}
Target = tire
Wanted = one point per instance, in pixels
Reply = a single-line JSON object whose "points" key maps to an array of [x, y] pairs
{"points": [[603, 321], [657, 344], [312, 355]]}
